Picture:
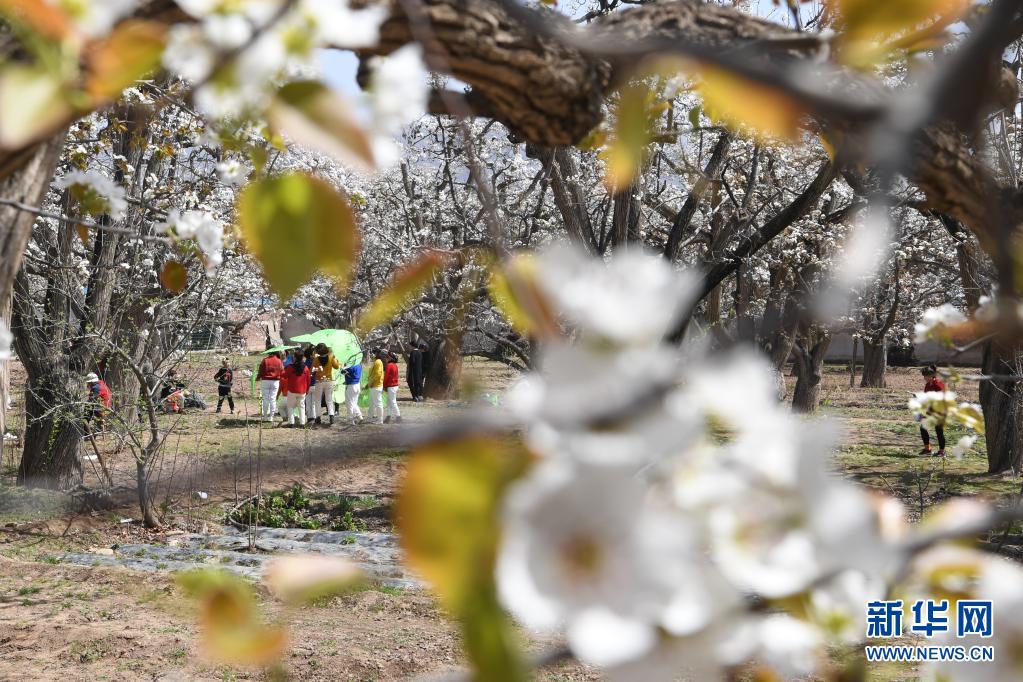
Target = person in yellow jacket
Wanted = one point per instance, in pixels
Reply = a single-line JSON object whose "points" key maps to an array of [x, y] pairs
{"points": [[376, 388], [324, 365]]}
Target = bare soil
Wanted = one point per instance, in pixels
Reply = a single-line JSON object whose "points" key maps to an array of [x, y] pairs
{"points": [[67, 622]]}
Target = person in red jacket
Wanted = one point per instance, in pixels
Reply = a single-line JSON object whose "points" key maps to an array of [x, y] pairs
{"points": [[100, 398], [296, 384], [391, 388], [933, 384], [271, 369]]}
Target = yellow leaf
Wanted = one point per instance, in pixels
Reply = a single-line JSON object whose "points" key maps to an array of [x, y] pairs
{"points": [[738, 102], [828, 147], [516, 292], [298, 579], [130, 52], [447, 513], [295, 224], [83, 234], [32, 104], [870, 29], [47, 19], [231, 630], [316, 117], [174, 276], [636, 115], [406, 285]]}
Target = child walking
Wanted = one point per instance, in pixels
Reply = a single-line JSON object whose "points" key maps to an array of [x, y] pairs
{"points": [[391, 387], [933, 384], [225, 381]]}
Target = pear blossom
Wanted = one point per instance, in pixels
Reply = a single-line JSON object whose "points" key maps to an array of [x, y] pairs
{"points": [[96, 18], [232, 172], [935, 322], [96, 193], [634, 299], [398, 95], [963, 445], [583, 548], [207, 231]]}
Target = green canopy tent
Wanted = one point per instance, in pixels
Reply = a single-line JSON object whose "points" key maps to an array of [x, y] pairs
{"points": [[344, 345]]}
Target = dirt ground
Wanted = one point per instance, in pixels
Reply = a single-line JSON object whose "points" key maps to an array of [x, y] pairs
{"points": [[61, 621]]}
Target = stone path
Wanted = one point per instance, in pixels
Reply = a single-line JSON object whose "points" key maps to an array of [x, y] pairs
{"points": [[377, 554]]}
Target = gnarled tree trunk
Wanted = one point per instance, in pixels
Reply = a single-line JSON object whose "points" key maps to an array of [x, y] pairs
{"points": [[875, 362], [809, 355], [53, 433], [1002, 403]]}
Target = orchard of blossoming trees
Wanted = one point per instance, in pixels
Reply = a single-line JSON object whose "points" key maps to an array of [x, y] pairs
{"points": [[652, 210]]}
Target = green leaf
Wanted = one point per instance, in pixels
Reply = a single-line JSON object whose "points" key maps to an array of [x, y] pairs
{"points": [[694, 116], [296, 224], [448, 515], [132, 51], [174, 276], [314, 116], [33, 103], [405, 287]]}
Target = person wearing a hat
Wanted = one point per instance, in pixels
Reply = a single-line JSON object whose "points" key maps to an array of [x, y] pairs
{"points": [[100, 399]]}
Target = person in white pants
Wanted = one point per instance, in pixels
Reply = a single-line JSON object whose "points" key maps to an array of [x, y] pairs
{"points": [[270, 387], [270, 371], [352, 403], [393, 413], [296, 404], [324, 364], [376, 405], [376, 389]]}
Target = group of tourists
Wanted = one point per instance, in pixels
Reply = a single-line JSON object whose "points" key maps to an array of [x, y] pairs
{"points": [[306, 378]]}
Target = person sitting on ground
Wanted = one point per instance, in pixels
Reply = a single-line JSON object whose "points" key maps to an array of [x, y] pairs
{"points": [[391, 387], [225, 382], [376, 388], [172, 392], [324, 364], [933, 384], [353, 380], [100, 400], [296, 380]]}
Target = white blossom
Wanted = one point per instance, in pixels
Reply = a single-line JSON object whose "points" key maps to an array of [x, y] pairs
{"points": [[935, 322], [95, 18], [96, 192], [398, 96], [232, 172]]}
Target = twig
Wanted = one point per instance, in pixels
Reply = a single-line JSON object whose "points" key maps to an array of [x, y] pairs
{"points": [[17, 205]]}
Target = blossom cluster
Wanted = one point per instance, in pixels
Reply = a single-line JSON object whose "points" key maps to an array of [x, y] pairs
{"points": [[672, 492], [935, 323]]}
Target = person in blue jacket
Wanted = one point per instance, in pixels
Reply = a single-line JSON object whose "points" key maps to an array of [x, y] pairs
{"points": [[353, 379]]}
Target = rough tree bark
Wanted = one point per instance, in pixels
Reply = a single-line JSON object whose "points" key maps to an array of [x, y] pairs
{"points": [[875, 361], [809, 353], [1002, 402]]}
